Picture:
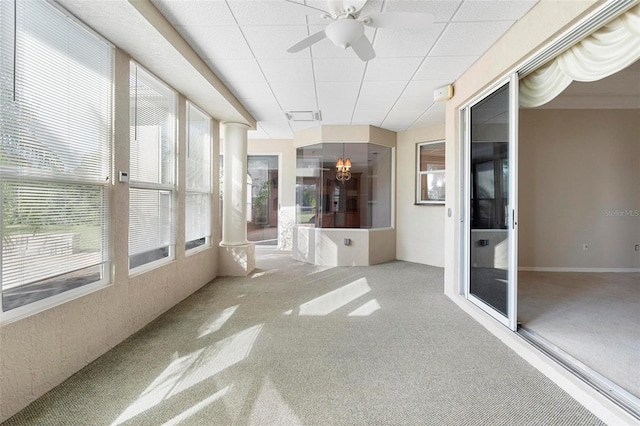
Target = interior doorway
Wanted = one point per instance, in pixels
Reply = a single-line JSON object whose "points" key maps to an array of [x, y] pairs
{"points": [[579, 263]]}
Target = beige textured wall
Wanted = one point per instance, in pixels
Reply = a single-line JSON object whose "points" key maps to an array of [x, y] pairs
{"points": [[419, 228], [577, 169], [42, 350]]}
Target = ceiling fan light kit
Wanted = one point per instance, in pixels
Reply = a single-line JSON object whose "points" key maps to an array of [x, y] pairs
{"points": [[344, 32], [347, 27]]}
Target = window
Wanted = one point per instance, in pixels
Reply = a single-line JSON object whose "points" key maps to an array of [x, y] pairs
{"points": [[344, 185], [198, 179], [152, 175], [55, 141], [431, 173]]}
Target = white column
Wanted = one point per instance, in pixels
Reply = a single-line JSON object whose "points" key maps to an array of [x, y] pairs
{"points": [[234, 199], [237, 255]]}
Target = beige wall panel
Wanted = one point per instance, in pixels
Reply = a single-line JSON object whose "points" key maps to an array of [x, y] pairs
{"points": [[419, 228], [579, 180]]}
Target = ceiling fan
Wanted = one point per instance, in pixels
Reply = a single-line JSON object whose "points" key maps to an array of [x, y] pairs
{"points": [[346, 28]]}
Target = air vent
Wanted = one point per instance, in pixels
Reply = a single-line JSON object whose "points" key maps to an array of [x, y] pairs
{"points": [[305, 116]]}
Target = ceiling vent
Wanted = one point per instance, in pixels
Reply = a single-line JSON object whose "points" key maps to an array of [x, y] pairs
{"points": [[304, 116]]}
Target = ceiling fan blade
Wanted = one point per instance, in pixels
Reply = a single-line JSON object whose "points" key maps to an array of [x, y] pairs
{"points": [[309, 10], [304, 43], [363, 48], [397, 20]]}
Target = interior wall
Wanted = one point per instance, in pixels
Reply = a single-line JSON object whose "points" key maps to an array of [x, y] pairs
{"points": [[419, 228], [42, 350], [286, 152], [579, 180]]}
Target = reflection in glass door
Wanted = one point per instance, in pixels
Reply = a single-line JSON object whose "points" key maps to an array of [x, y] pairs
{"points": [[490, 232], [262, 208]]}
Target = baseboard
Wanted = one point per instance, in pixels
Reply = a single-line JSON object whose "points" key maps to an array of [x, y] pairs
{"points": [[572, 269]]}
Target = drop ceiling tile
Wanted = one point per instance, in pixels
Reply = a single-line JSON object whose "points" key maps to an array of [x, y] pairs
{"points": [[435, 115], [298, 104], [273, 41], [444, 67], [379, 95], [287, 70], [216, 42], [407, 41], [413, 104], [379, 103], [391, 69], [484, 10], [259, 133], [293, 89], [334, 95], [195, 12], [406, 117], [277, 130], [332, 69], [256, 105], [395, 126], [367, 116], [423, 88], [372, 90], [250, 89], [438, 107], [301, 125], [236, 69], [269, 115], [266, 12], [337, 116], [468, 39], [442, 11]]}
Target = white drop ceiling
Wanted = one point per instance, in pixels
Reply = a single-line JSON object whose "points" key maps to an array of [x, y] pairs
{"points": [[244, 42]]}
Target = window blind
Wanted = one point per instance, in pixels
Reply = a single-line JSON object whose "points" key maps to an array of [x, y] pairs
{"points": [[198, 178], [55, 136], [152, 176]]}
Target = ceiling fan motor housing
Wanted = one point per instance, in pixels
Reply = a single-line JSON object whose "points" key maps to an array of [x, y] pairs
{"points": [[344, 32]]}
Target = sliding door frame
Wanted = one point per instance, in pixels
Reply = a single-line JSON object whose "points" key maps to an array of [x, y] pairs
{"points": [[510, 320]]}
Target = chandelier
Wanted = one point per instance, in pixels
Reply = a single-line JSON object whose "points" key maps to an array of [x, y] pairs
{"points": [[343, 168]]}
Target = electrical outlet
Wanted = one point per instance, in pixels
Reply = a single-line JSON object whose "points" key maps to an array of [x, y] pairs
{"points": [[585, 247], [637, 247]]}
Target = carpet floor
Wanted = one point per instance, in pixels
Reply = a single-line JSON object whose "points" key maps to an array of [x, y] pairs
{"points": [[593, 317], [296, 344]]}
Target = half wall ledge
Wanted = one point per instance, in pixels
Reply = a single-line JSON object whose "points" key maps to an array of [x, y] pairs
{"points": [[343, 246]]}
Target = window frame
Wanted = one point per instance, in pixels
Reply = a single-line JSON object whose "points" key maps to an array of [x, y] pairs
{"points": [[207, 239], [105, 186], [420, 173], [172, 187]]}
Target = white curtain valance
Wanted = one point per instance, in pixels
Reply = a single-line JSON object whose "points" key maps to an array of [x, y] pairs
{"points": [[603, 53]]}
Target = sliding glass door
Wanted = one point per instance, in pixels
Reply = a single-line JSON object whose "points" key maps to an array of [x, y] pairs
{"points": [[490, 232]]}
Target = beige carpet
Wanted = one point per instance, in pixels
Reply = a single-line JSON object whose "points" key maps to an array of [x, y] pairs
{"points": [[295, 344], [593, 317]]}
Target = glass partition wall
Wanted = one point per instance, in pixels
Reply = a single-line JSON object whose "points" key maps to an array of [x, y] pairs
{"points": [[344, 185]]}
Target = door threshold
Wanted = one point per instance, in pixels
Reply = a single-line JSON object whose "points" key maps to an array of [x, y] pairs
{"points": [[625, 400]]}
